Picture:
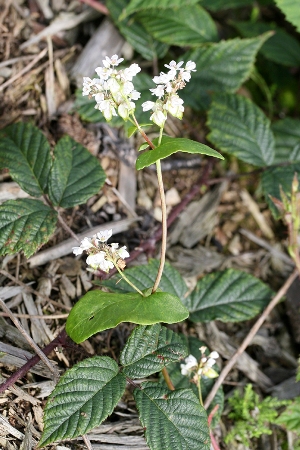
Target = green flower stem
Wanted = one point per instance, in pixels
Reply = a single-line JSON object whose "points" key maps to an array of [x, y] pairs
{"points": [[142, 132], [199, 389], [128, 281], [163, 221]]}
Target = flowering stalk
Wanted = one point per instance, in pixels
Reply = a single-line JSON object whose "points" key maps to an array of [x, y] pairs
{"points": [[129, 282]]}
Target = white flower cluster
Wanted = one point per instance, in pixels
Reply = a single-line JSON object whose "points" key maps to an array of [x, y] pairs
{"points": [[201, 368], [113, 91], [101, 255], [166, 90]]}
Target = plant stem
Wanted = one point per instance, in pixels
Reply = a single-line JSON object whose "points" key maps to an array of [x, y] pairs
{"points": [[128, 281], [168, 379], [142, 132], [249, 337], [199, 390]]}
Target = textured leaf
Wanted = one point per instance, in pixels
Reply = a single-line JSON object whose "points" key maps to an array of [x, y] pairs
{"points": [[291, 10], [273, 178], [172, 419], [218, 5], [287, 140], [149, 349], [221, 67], [143, 277], [138, 5], [25, 151], [135, 34], [25, 225], [97, 311], [83, 398], [281, 48], [290, 418], [229, 296], [75, 176], [189, 25], [169, 146], [240, 128]]}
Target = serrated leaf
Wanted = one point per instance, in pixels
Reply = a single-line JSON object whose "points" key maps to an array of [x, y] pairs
{"points": [[170, 417], [229, 295], [291, 10], [144, 276], [221, 67], [281, 48], [83, 398], [287, 140], [149, 349], [185, 26], [219, 5], [169, 146], [240, 128], [290, 418], [135, 33], [25, 151], [139, 5], [97, 311], [273, 178], [75, 175], [25, 224]]}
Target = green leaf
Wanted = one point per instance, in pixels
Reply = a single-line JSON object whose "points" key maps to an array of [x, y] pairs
{"points": [[144, 276], [172, 419], [75, 176], [169, 146], [97, 311], [83, 398], [25, 151], [149, 349], [229, 296], [290, 418], [287, 140], [240, 128], [135, 33], [291, 10], [273, 178], [281, 48], [219, 5], [25, 225], [185, 26], [139, 5]]}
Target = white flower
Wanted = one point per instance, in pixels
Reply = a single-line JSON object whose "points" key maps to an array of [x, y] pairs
{"points": [[147, 106], [210, 362], [128, 87], [174, 106], [86, 243], [185, 75], [125, 109], [159, 118], [103, 72], [107, 109], [163, 78], [87, 86], [77, 250], [135, 95], [131, 71], [99, 97], [113, 61], [190, 66], [158, 91], [173, 65], [95, 260], [214, 355], [113, 85], [123, 253], [103, 236], [190, 363]]}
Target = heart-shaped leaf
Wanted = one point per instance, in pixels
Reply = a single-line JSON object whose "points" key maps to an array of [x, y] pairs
{"points": [[170, 417], [83, 398], [75, 176], [169, 146], [25, 224], [97, 311], [25, 151]]}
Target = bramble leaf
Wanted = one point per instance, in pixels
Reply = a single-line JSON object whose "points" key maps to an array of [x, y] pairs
{"points": [[75, 176], [169, 146], [139, 5], [229, 296], [170, 417], [25, 224], [25, 151], [291, 10], [287, 139], [84, 397], [97, 311], [149, 349], [240, 128]]}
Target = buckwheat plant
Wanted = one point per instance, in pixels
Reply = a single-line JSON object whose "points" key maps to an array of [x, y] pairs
{"points": [[88, 393]]}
